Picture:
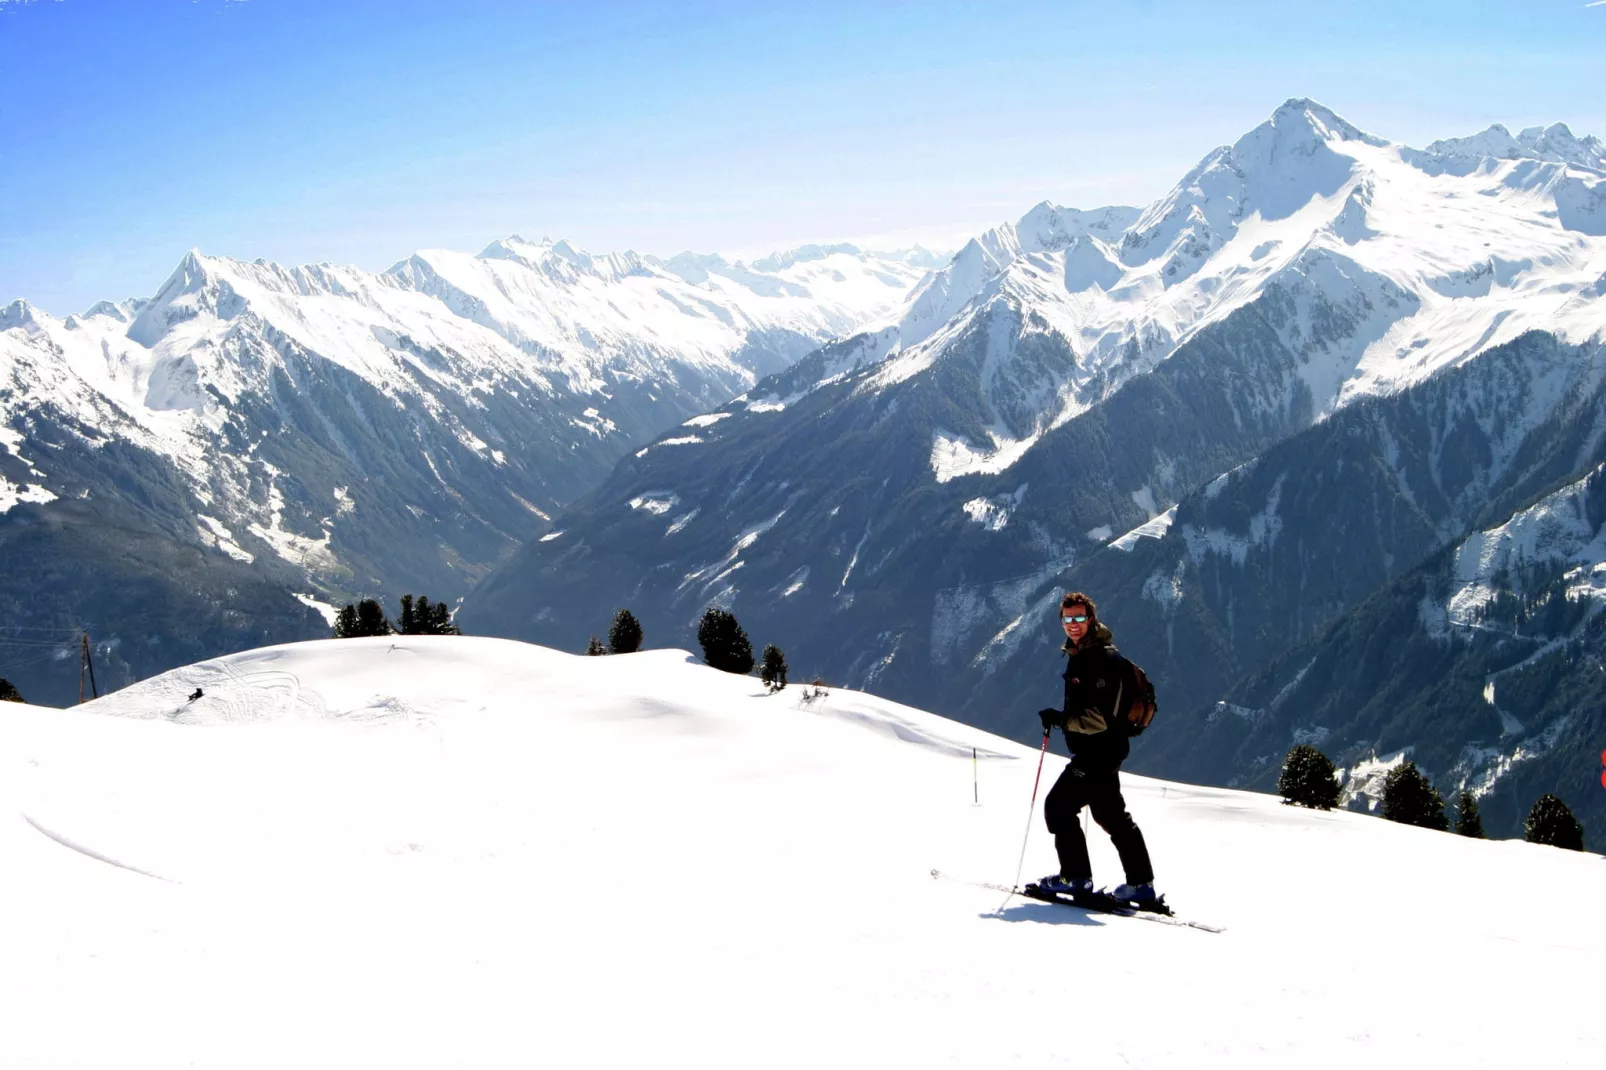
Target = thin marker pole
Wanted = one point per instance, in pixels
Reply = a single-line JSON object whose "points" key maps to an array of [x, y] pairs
{"points": [[975, 778], [89, 663]]}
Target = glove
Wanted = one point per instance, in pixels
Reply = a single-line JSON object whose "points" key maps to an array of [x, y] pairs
{"points": [[1051, 719]]}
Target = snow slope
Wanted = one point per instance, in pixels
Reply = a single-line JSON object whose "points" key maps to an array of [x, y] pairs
{"points": [[431, 852]]}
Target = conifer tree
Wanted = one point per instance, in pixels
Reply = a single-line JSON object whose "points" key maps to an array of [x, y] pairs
{"points": [[371, 618], [9, 693], [1308, 778], [365, 618], [595, 647], [725, 645], [1551, 822], [420, 616], [1410, 799], [438, 619], [773, 669], [624, 634], [1468, 822]]}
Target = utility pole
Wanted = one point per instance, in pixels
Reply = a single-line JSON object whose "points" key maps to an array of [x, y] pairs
{"points": [[85, 665]]}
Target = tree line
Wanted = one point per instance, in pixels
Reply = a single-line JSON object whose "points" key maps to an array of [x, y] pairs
{"points": [[724, 642], [1309, 778], [419, 616]]}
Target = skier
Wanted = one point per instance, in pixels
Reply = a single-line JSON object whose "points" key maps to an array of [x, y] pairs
{"points": [[1099, 687]]}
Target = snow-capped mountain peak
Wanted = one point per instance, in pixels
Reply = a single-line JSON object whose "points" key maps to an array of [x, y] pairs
{"points": [[1082, 238], [1388, 262], [1048, 227], [197, 285], [1303, 181], [18, 314], [119, 312], [1307, 267], [1303, 152], [781, 260], [1552, 144], [344, 430], [563, 261], [1300, 119]]}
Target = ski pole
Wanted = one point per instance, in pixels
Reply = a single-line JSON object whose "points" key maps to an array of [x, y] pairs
{"points": [[1030, 810]]}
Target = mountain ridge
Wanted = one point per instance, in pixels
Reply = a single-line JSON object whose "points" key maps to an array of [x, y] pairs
{"points": [[899, 509], [335, 432]]}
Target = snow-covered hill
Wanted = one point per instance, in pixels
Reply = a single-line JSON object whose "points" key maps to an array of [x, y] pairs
{"points": [[343, 853], [339, 432]]}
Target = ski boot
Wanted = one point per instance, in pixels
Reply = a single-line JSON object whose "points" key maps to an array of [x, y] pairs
{"points": [[1071, 887], [1140, 896]]}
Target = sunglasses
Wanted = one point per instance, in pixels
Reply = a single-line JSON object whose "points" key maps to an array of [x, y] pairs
{"points": [[1075, 618]]}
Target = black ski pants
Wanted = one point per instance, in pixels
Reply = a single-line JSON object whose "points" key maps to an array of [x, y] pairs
{"points": [[1100, 791]]}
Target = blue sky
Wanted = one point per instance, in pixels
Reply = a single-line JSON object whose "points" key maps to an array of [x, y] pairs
{"points": [[357, 131]]}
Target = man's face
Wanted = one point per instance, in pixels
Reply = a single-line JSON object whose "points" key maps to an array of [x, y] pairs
{"points": [[1076, 620]]}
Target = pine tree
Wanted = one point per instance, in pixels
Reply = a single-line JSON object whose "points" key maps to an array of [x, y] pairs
{"points": [[773, 670], [438, 621], [1468, 822], [624, 634], [420, 616], [8, 693], [595, 647], [725, 645], [1551, 822], [365, 618], [1410, 799], [1308, 778], [371, 618]]}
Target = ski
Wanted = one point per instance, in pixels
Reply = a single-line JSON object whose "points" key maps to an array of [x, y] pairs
{"points": [[1099, 904], [1102, 903]]}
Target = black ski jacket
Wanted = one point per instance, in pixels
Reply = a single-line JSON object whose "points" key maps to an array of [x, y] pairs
{"points": [[1098, 691]]}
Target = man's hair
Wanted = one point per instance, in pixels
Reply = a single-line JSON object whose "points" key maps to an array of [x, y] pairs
{"points": [[1077, 598]]}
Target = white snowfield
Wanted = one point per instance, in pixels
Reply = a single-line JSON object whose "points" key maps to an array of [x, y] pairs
{"points": [[440, 852]]}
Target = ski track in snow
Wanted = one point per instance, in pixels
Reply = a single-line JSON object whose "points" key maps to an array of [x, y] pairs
{"points": [[89, 852]]}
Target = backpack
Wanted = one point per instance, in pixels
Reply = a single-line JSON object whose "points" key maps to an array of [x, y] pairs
{"points": [[1140, 711]]}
